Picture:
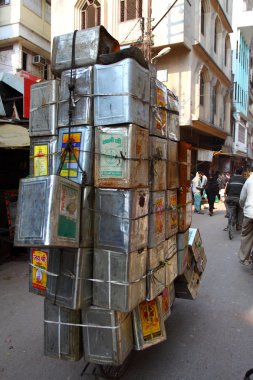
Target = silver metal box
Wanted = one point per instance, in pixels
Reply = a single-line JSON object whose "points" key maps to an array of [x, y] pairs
{"points": [[171, 269], [87, 217], [62, 332], [121, 156], [173, 103], [122, 93], [158, 163], [155, 281], [119, 279], [158, 109], [148, 324], [156, 224], [171, 214], [121, 220], [182, 251], [155, 256], [78, 164], [172, 165], [107, 336], [173, 128], [82, 100], [70, 284], [48, 212], [89, 44], [44, 108], [170, 246], [43, 156]]}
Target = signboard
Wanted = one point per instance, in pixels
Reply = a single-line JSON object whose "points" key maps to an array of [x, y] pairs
{"points": [[29, 79], [205, 155]]}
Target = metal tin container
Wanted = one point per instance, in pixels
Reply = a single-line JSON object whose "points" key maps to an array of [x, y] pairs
{"points": [[121, 156], [107, 336], [87, 217], [171, 269], [184, 209], [48, 212], [184, 157], [125, 97], [78, 164], [43, 156], [171, 214], [173, 103], [82, 101], [158, 112], [119, 280], [202, 261], [173, 128], [155, 256], [155, 281], [39, 259], [62, 332], [165, 298], [121, 220], [148, 324], [158, 163], [188, 290], [156, 225], [195, 243], [170, 247], [44, 108], [70, 284], [172, 165], [89, 44], [182, 251]]}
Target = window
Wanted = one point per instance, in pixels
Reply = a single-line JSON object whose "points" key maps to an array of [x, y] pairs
{"points": [[201, 90], [45, 72], [214, 100], [236, 49], [202, 19], [226, 5], [235, 89], [130, 9], [227, 50], [90, 14], [24, 61], [216, 35]]}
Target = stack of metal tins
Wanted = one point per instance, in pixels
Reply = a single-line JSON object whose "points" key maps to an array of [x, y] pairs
{"points": [[55, 215], [121, 118]]}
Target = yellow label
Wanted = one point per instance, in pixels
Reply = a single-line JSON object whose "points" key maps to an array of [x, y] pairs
{"points": [[39, 277], [70, 166], [40, 160], [149, 320]]}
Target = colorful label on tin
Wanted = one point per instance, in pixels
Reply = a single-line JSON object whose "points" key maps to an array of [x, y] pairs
{"points": [[173, 211], [112, 148], [68, 212], [161, 113], [40, 160], [159, 221], [70, 166], [39, 277], [150, 321]]}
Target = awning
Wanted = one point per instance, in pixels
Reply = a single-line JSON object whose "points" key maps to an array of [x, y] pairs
{"points": [[14, 136]]}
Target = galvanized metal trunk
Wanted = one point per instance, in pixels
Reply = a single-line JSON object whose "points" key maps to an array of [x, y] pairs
{"points": [[158, 106]]}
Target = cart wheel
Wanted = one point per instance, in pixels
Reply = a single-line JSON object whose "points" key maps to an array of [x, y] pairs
{"points": [[114, 372]]}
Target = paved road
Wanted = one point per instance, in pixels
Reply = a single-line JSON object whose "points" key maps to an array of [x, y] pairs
{"points": [[208, 339]]}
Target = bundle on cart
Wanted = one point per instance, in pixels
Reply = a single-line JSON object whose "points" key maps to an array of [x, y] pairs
{"points": [[106, 210]]}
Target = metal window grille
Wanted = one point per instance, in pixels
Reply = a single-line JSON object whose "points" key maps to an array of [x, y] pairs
{"points": [[130, 9], [90, 14]]}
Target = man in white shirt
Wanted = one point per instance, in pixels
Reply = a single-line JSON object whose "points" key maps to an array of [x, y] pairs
{"points": [[246, 201]]}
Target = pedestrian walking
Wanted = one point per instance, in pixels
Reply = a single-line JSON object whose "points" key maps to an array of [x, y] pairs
{"points": [[232, 195], [196, 190], [246, 201], [212, 190]]}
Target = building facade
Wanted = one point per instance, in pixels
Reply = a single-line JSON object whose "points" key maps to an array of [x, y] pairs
{"points": [[242, 81]]}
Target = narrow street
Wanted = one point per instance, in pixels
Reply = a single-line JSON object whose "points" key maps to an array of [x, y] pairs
{"points": [[207, 339]]}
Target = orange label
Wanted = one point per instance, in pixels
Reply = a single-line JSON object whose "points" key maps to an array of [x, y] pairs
{"points": [[149, 320], [165, 301], [39, 277]]}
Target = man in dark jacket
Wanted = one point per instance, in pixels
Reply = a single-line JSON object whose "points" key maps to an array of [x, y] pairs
{"points": [[232, 194]]}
